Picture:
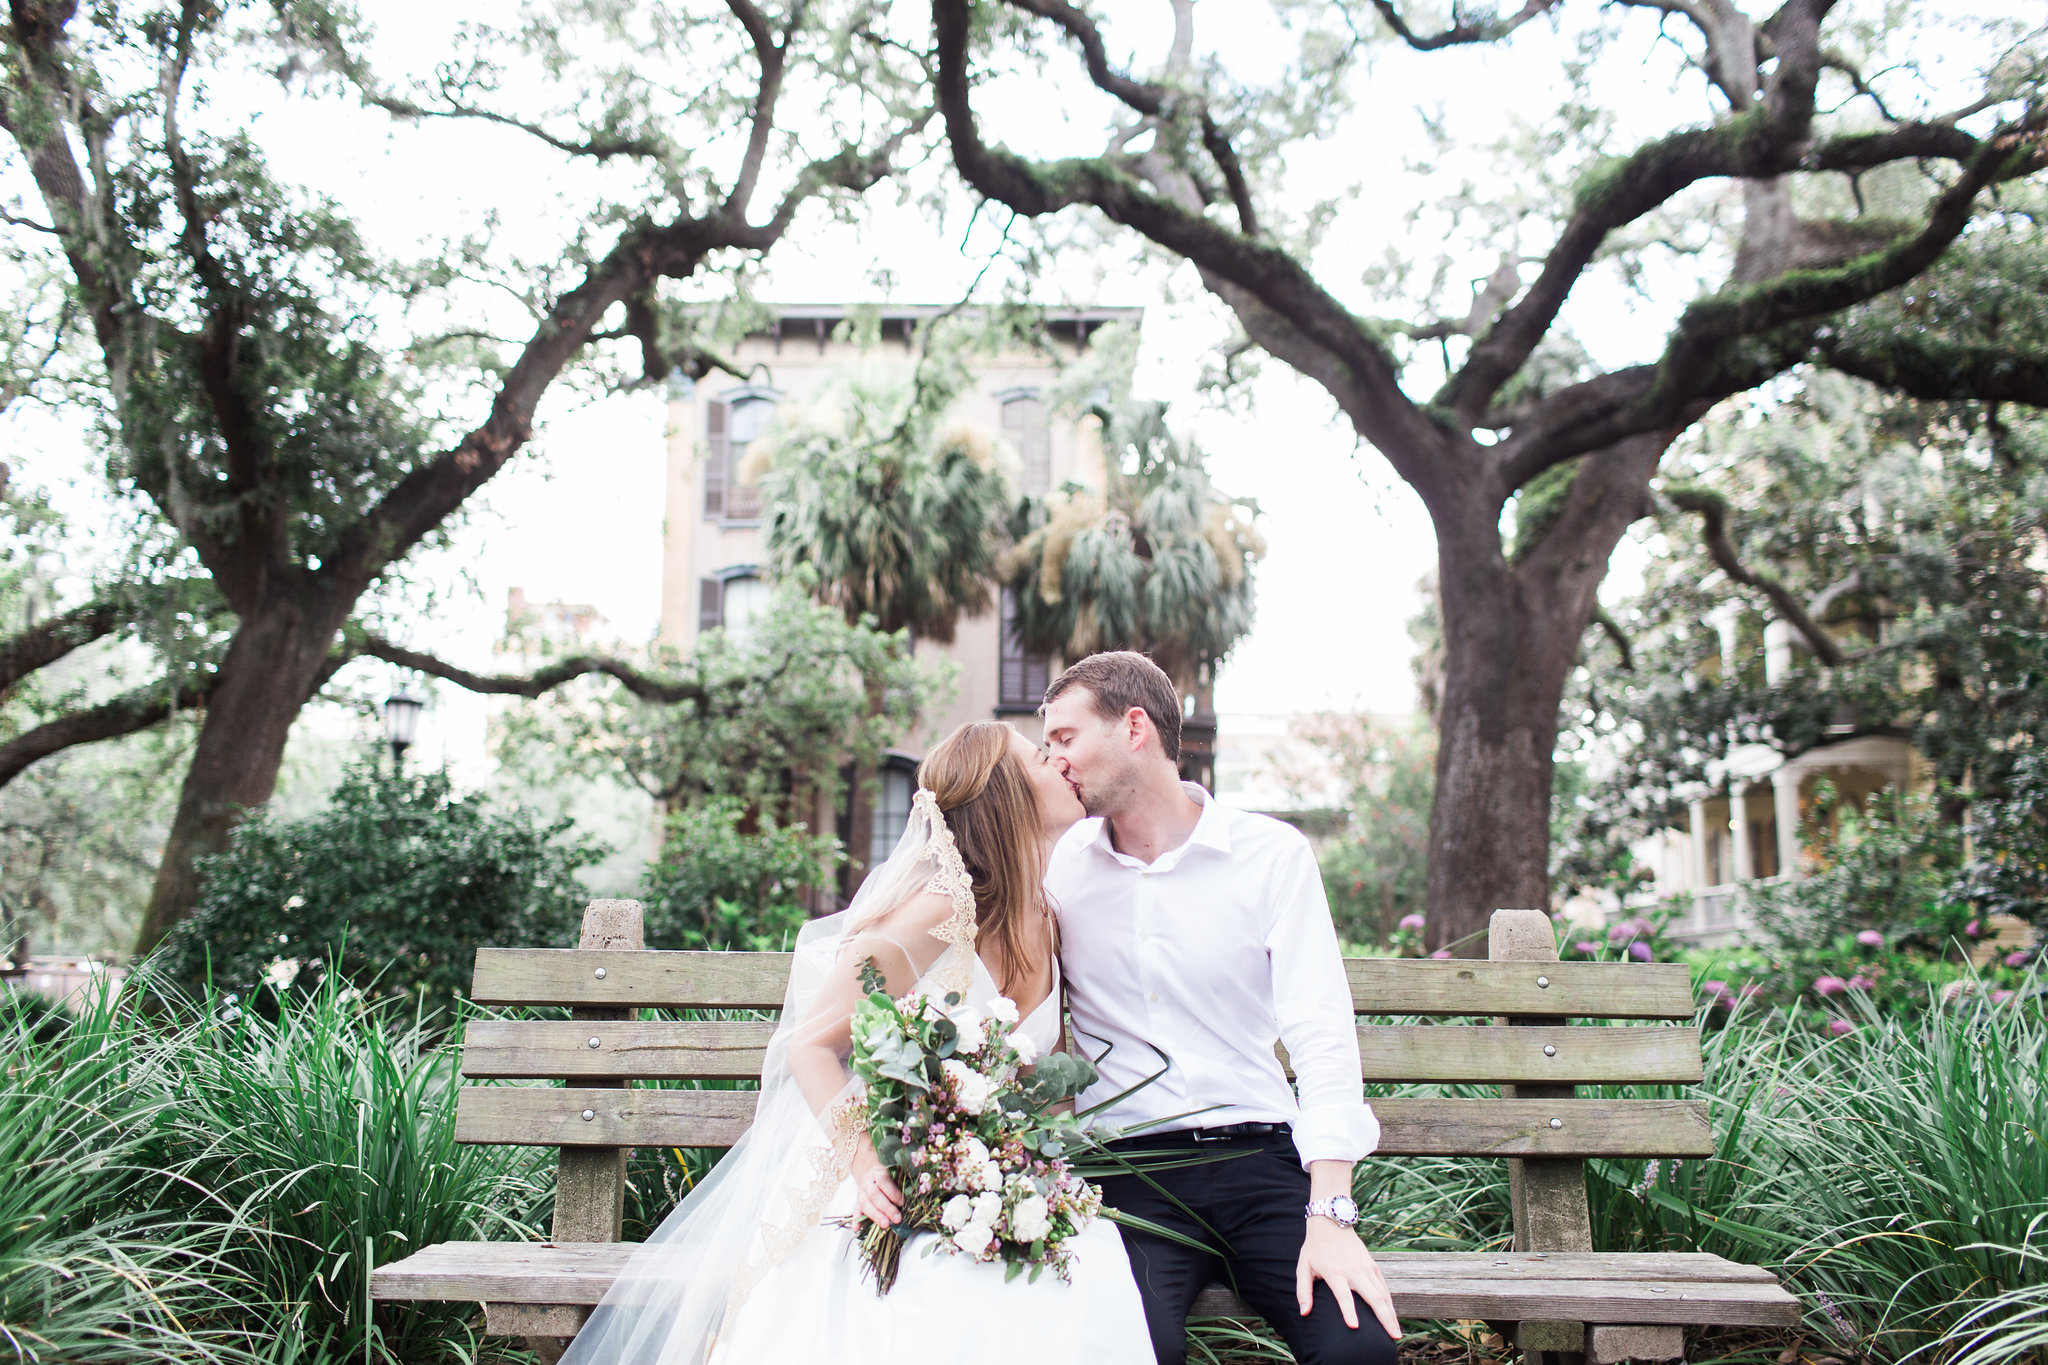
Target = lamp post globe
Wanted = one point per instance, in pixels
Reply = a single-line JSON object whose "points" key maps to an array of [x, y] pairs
{"points": [[401, 717]]}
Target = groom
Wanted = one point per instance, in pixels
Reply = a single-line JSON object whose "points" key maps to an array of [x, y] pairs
{"points": [[1203, 934]]}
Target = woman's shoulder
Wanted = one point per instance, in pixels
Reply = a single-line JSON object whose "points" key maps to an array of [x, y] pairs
{"points": [[921, 913]]}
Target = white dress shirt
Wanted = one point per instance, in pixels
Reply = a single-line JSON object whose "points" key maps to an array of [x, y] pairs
{"points": [[1210, 954]]}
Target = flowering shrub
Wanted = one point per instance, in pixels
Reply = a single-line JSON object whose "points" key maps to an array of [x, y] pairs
{"points": [[966, 1135]]}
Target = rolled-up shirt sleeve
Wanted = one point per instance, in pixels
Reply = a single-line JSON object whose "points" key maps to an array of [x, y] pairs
{"points": [[1312, 1003]]}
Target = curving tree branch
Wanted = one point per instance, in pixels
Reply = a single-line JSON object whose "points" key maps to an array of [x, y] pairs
{"points": [[140, 709], [1712, 511], [641, 684], [43, 644]]}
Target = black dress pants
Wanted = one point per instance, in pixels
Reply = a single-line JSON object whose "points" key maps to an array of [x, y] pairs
{"points": [[1253, 1203]]}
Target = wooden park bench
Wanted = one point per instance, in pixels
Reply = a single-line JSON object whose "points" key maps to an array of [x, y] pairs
{"points": [[1551, 1293]]}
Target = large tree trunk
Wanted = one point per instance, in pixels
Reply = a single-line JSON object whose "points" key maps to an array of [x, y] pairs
{"points": [[279, 658], [1511, 639]]}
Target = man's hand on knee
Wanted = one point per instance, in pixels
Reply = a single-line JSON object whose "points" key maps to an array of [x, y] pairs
{"points": [[1336, 1256]]}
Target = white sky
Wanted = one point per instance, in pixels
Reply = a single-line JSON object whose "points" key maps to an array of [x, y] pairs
{"points": [[577, 517]]}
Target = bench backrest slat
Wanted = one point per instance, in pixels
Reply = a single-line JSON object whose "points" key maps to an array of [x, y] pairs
{"points": [[539, 1116], [1392, 986], [510, 1049]]}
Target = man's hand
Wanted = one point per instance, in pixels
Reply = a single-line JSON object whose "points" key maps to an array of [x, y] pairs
{"points": [[1334, 1254]]}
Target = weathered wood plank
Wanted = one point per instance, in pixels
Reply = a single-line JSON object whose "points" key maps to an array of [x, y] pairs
{"points": [[1592, 990], [1524, 1128], [543, 1116], [700, 980], [522, 1049], [517, 1049], [649, 979], [1610, 1345], [1403, 1053], [1583, 1287]]}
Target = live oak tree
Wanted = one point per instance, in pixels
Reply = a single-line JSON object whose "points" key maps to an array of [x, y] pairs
{"points": [[1834, 217], [304, 411]]}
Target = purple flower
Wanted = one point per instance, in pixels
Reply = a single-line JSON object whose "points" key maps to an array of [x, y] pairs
{"points": [[1973, 928], [1750, 988], [1413, 923], [2018, 959], [1640, 951], [1586, 946], [1838, 1027], [1622, 932], [2000, 997], [1870, 938], [1829, 985], [1717, 990], [1441, 953], [1860, 982]]}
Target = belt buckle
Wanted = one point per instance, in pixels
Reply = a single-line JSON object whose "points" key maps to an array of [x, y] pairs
{"points": [[1203, 1134]]}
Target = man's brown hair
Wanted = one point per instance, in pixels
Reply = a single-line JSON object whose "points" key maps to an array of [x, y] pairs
{"points": [[1119, 680]]}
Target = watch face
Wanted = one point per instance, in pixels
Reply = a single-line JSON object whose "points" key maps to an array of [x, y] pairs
{"points": [[1345, 1209]]}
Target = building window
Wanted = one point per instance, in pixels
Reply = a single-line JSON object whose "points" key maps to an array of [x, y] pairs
{"points": [[733, 601], [731, 425], [1022, 678], [1024, 424], [892, 808]]}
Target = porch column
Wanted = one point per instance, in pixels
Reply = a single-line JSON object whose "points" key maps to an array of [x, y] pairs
{"points": [[1738, 829], [1785, 805], [1698, 811]]}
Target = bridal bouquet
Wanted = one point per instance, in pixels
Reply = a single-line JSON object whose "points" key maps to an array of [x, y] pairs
{"points": [[967, 1135]]}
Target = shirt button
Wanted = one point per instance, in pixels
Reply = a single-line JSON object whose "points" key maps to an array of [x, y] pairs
{"points": [[1154, 997]]}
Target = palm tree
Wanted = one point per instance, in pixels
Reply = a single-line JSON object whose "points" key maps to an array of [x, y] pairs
{"points": [[883, 512], [1157, 561]]}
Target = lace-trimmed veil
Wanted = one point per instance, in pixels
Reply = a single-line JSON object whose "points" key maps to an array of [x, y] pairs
{"points": [[669, 1303]]}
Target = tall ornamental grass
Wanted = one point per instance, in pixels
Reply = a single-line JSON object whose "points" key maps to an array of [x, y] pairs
{"points": [[319, 1143], [93, 1267]]}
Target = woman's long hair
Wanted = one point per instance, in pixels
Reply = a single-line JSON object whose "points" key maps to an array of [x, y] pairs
{"points": [[989, 804]]}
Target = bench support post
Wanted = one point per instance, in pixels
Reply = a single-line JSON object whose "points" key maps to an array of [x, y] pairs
{"points": [[590, 1182], [1548, 1196]]}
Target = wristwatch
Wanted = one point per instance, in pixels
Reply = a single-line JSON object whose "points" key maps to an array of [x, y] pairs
{"points": [[1338, 1208]]}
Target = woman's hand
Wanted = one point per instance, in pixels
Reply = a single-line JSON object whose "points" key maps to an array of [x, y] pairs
{"points": [[880, 1200]]}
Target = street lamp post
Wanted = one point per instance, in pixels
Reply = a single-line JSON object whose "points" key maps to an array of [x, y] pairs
{"points": [[401, 715]]}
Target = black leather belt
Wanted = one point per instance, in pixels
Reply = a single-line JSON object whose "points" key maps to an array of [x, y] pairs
{"points": [[1226, 1132]]}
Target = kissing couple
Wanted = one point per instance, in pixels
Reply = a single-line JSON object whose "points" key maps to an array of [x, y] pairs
{"points": [[1085, 871]]}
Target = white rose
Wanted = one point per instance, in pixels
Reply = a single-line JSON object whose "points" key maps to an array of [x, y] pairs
{"points": [[970, 1088], [971, 1033], [1005, 1009], [959, 1211], [987, 1208], [990, 1176], [973, 1153], [975, 1238], [1027, 1051], [1030, 1220]]}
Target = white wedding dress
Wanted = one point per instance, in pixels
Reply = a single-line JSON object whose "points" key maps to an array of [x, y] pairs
{"points": [[752, 1268], [817, 1305]]}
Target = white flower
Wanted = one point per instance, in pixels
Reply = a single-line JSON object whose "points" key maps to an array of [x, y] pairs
{"points": [[971, 1038], [1030, 1220], [295, 902], [958, 1212], [970, 1088], [990, 1177], [1005, 1009], [987, 1208], [975, 1238], [973, 1153], [282, 972], [1027, 1051]]}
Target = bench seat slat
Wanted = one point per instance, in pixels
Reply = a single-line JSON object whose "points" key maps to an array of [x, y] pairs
{"points": [[524, 1049], [544, 1116], [1677, 1287], [1399, 986]]}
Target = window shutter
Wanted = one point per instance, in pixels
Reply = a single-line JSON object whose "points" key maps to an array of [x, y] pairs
{"points": [[710, 604], [717, 454], [1024, 424]]}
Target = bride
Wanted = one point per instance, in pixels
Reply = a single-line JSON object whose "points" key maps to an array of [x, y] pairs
{"points": [[755, 1267]]}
